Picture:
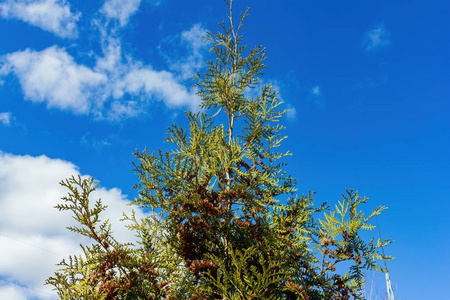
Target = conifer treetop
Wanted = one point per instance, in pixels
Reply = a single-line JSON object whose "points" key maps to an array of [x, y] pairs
{"points": [[226, 222]]}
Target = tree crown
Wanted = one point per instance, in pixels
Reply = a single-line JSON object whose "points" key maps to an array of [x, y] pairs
{"points": [[219, 228]]}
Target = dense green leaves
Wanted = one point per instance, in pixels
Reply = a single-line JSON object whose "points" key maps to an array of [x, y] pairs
{"points": [[226, 222]]}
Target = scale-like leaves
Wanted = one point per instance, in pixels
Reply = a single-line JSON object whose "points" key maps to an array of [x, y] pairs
{"points": [[225, 220]]}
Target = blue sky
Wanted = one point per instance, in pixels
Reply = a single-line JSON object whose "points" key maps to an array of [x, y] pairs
{"points": [[85, 83]]}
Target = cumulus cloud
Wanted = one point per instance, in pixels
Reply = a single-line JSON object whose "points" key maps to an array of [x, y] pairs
{"points": [[5, 118], [52, 76], [112, 89], [114, 85], [33, 234], [50, 15], [376, 38]]}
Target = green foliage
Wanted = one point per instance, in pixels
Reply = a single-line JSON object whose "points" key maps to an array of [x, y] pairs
{"points": [[218, 228], [109, 269], [249, 277]]}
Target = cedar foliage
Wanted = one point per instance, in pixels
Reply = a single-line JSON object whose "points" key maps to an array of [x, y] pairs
{"points": [[218, 227]]}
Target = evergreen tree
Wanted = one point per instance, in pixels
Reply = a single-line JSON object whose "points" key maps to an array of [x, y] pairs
{"points": [[219, 228]]}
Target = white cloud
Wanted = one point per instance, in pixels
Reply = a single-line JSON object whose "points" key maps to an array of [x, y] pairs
{"points": [[5, 118], [140, 82], [33, 234], [184, 52], [52, 76], [12, 292], [50, 15], [113, 89], [121, 10], [193, 38], [376, 38], [163, 84]]}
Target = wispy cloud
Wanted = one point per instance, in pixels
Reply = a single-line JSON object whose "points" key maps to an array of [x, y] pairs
{"points": [[88, 140], [376, 38], [315, 90], [5, 118], [50, 15], [122, 10], [316, 96], [292, 112], [184, 52], [32, 232]]}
